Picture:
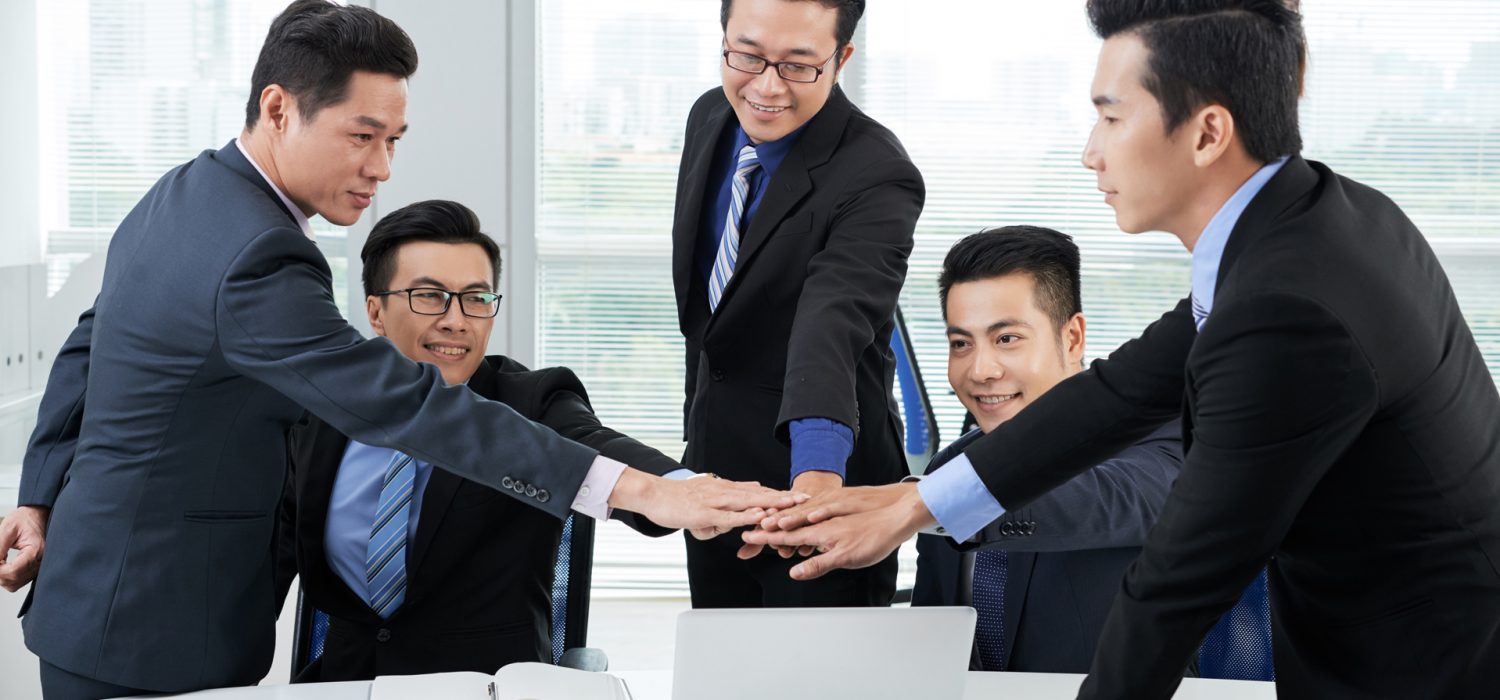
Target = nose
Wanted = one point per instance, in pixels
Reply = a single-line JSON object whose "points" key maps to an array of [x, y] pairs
{"points": [[378, 164], [770, 82], [454, 320], [987, 366], [1091, 156]]}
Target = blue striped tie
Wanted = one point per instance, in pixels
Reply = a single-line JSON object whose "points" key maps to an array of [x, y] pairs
{"points": [[385, 555], [988, 592], [729, 243]]}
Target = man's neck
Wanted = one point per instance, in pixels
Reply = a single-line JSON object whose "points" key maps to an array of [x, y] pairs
{"points": [[260, 151], [1216, 189]]}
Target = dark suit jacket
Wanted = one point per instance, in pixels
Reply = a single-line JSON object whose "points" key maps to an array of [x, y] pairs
{"points": [[1338, 416], [479, 572], [1067, 553], [804, 326], [159, 444]]}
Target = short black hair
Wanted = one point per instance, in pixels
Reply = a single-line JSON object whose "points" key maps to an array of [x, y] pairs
{"points": [[1247, 55], [849, 13], [315, 46], [1049, 257], [436, 220]]}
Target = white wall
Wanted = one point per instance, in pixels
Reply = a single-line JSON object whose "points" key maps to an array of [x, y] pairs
{"points": [[19, 189]]}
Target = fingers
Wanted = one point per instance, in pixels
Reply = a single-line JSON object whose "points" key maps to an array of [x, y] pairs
{"points": [[816, 566], [808, 536], [19, 570], [750, 551], [738, 497]]}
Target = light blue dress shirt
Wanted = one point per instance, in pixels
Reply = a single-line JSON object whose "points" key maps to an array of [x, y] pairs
{"points": [[958, 498], [351, 511]]}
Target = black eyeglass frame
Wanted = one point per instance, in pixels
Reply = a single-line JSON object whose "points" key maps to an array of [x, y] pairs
{"points": [[448, 297], [768, 63]]}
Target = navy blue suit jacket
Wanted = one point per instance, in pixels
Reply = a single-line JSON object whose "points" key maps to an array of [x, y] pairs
{"points": [[160, 443], [1068, 552]]}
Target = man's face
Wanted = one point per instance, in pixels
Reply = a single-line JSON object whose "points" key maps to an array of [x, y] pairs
{"points": [[1146, 175], [1003, 351], [332, 165], [767, 106], [454, 342]]}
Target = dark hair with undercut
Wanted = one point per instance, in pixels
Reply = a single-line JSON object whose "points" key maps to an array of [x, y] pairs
{"points": [[1049, 257], [435, 220], [849, 13], [1247, 55], [315, 46]]}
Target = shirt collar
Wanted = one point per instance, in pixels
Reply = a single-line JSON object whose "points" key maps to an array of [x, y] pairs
{"points": [[297, 214], [1209, 251], [769, 153]]}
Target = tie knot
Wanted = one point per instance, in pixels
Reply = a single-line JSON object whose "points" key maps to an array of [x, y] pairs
{"points": [[748, 160]]}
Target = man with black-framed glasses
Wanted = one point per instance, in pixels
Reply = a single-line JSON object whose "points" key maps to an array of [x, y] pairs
{"points": [[461, 574], [794, 220]]}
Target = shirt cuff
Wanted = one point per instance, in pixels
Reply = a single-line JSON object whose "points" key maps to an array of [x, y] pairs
{"points": [[679, 474], [820, 444], [593, 496], [958, 499]]}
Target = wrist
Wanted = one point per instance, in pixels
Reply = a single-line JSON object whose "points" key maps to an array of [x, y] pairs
{"points": [[912, 510], [633, 489], [815, 481]]}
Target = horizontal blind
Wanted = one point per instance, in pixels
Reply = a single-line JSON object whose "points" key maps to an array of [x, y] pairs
{"points": [[130, 89]]}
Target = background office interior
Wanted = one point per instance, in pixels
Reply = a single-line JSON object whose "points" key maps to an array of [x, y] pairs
{"points": [[560, 122]]}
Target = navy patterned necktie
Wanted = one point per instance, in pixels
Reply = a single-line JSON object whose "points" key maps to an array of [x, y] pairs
{"points": [[988, 591]]}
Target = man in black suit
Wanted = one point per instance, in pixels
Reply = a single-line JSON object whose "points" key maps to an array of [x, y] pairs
{"points": [[478, 566], [158, 460], [793, 222], [1042, 585], [1339, 417]]}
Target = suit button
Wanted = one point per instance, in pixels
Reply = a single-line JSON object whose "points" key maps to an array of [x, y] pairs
{"points": [[543, 496], [518, 487], [384, 635], [1030, 527], [531, 492], [1007, 530], [507, 482], [718, 375]]}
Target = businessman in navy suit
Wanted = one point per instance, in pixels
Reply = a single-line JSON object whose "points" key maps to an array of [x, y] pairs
{"points": [[1047, 573], [158, 460]]}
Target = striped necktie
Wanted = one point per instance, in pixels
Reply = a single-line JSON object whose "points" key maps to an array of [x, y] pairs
{"points": [[385, 555], [988, 592], [729, 243]]}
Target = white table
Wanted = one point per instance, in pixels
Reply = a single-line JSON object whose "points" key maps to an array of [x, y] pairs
{"points": [[657, 685]]}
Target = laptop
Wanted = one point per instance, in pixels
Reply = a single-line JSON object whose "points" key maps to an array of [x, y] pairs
{"points": [[823, 653]]}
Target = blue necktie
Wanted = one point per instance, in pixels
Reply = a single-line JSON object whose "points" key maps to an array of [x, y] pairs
{"points": [[729, 243], [385, 555], [988, 591]]}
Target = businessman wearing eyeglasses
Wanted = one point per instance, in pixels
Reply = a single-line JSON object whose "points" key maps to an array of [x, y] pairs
{"points": [[793, 223], [452, 576]]}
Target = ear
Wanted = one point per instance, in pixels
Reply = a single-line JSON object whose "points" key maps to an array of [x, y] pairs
{"points": [[1213, 132], [1073, 340], [843, 61], [276, 108], [373, 306]]}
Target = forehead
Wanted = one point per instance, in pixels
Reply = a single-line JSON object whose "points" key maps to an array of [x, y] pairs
{"points": [[456, 265], [982, 302], [783, 27], [374, 95], [1122, 66]]}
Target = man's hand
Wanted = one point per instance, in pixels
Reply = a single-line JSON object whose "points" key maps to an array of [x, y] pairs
{"points": [[813, 483], [24, 529], [705, 507], [851, 532]]}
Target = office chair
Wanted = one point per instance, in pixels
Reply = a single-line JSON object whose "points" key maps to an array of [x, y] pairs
{"points": [[572, 578], [920, 437], [1239, 646]]}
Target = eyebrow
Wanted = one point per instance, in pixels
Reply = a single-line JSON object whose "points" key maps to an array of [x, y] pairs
{"points": [[374, 123], [472, 286], [799, 51], [998, 325], [1105, 100]]}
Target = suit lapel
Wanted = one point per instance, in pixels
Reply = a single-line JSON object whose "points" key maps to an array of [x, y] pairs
{"points": [[231, 157], [1289, 185], [699, 147], [1017, 581], [441, 487]]}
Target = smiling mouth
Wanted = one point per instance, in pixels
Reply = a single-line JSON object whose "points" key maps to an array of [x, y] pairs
{"points": [[995, 399], [447, 351], [765, 108]]}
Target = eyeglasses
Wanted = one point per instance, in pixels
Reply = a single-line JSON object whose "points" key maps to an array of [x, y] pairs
{"points": [[788, 70], [431, 301]]}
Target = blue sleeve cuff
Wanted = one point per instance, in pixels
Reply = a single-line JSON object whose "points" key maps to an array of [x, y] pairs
{"points": [[958, 499], [679, 474], [820, 444]]}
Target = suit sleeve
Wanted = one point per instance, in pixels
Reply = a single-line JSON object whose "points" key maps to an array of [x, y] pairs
{"points": [[49, 454], [565, 408], [1114, 504], [1090, 416], [1281, 390], [286, 526], [850, 292], [277, 324]]}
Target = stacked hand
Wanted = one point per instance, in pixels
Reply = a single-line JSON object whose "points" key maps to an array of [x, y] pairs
{"points": [[706, 507], [849, 528], [24, 529]]}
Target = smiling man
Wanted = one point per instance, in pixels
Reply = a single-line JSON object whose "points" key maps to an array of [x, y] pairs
{"points": [[1012, 302], [794, 219], [476, 567]]}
